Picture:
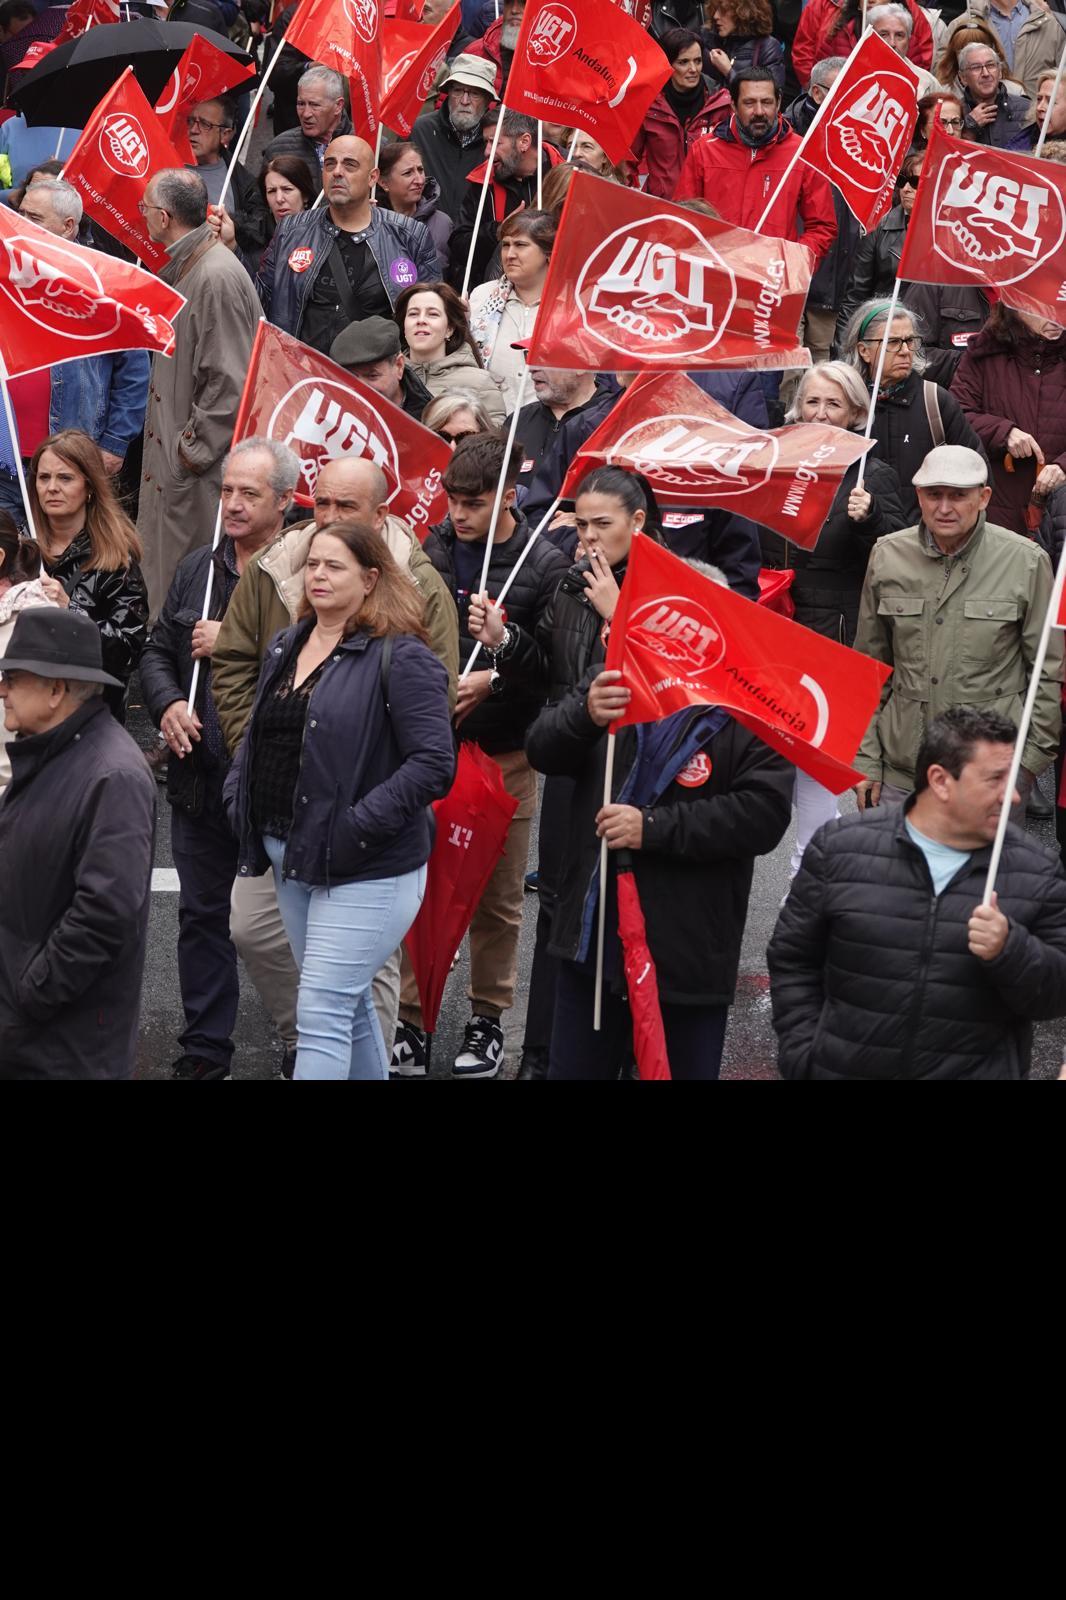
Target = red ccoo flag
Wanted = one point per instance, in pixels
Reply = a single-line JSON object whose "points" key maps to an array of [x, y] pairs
{"points": [[681, 640], [636, 282], [587, 66], [992, 219], [345, 35], [203, 72], [694, 452], [122, 145], [863, 128], [411, 58], [61, 301], [322, 413], [86, 14]]}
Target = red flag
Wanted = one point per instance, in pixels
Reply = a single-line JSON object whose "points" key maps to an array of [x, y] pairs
{"points": [[345, 35], [864, 128], [682, 640], [996, 220], [203, 73], [85, 14], [322, 413], [472, 823], [122, 145], [587, 66], [642, 982], [636, 282], [404, 10], [410, 59], [694, 452], [61, 301]]}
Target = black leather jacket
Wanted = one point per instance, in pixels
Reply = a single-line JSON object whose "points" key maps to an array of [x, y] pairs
{"points": [[118, 604]]}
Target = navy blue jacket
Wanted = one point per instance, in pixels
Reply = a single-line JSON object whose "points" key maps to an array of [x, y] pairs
{"points": [[370, 767], [403, 249]]}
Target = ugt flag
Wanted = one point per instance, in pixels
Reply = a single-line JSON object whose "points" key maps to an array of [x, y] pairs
{"points": [[863, 128], [122, 145], [587, 66], [994, 220], [323, 414], [635, 281], [346, 36], [59, 301], [410, 60], [680, 639], [85, 14], [203, 72], [694, 452]]}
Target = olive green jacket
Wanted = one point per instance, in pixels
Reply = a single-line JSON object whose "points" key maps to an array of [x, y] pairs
{"points": [[267, 599], [956, 631]]}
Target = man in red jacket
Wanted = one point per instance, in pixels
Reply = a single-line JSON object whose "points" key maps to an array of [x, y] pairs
{"points": [[739, 166], [500, 39]]}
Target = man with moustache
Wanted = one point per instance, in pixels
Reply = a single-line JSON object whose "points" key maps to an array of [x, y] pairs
{"points": [[450, 138]]}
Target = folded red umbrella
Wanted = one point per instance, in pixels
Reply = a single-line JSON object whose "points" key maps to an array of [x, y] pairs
{"points": [[472, 823], [773, 591], [642, 984]]}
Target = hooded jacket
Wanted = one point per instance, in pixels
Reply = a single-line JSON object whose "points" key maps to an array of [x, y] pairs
{"points": [[663, 141], [813, 42], [460, 373]]}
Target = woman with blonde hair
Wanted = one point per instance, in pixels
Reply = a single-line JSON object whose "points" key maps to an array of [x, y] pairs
{"points": [[348, 745], [90, 551], [456, 416]]}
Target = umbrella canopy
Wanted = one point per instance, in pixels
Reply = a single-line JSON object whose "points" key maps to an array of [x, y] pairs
{"points": [[67, 87]]}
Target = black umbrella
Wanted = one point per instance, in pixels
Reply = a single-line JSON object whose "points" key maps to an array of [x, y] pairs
{"points": [[68, 85]]}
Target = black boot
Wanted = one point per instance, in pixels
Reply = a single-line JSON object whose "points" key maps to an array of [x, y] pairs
{"points": [[533, 1065]]}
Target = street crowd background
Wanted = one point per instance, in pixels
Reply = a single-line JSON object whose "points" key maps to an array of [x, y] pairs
{"points": [[340, 648]]}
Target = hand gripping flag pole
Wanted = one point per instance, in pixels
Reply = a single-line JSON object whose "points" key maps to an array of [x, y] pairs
{"points": [[511, 576], [601, 927]]}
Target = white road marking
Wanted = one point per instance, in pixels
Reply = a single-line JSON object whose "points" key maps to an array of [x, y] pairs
{"points": [[165, 880]]}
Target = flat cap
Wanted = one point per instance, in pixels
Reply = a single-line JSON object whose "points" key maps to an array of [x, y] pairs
{"points": [[373, 339], [952, 466]]}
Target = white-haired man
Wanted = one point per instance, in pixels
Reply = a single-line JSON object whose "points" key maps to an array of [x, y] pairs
{"points": [[993, 116], [322, 117]]}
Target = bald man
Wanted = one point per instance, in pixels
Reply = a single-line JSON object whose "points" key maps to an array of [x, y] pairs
{"points": [[265, 601], [348, 260]]}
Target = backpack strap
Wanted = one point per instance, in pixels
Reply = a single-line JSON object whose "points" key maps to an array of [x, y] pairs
{"points": [[932, 412], [386, 665]]}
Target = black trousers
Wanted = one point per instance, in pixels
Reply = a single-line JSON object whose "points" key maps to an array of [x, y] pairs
{"points": [[205, 854], [694, 1034], [551, 851]]}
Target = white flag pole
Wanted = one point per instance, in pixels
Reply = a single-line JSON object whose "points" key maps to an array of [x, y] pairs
{"points": [[502, 484], [16, 451], [540, 165], [206, 612], [511, 576], [249, 123], [1046, 124], [608, 783], [483, 197], [1035, 675], [875, 391], [62, 135]]}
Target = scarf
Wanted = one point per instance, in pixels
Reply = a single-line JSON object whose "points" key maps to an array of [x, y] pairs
{"points": [[742, 136]]}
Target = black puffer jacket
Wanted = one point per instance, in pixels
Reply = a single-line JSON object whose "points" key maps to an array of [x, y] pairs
{"points": [[500, 722], [829, 578], [694, 869], [570, 632], [118, 604], [870, 972], [903, 437], [951, 315], [873, 266]]}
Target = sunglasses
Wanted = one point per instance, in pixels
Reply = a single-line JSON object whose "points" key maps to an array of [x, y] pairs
{"points": [[910, 182], [453, 438]]}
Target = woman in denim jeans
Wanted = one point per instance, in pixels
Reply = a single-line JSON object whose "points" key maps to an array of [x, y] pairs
{"points": [[349, 743]]}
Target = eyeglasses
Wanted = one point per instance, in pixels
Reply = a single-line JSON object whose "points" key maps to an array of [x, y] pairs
{"points": [[987, 69], [951, 122], [193, 123], [909, 182], [144, 210], [896, 342]]}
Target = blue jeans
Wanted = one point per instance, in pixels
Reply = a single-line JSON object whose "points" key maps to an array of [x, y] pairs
{"points": [[340, 939]]}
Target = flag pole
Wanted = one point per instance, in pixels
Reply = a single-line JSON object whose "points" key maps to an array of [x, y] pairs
{"points": [[1051, 105], [482, 199], [608, 784], [249, 124], [59, 144], [1023, 726], [16, 451], [205, 613], [869, 429], [540, 165], [511, 576], [501, 486]]}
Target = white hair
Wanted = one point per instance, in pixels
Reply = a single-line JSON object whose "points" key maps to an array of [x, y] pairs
{"points": [[975, 44], [331, 82], [285, 473], [823, 70], [845, 378], [66, 201], [898, 13]]}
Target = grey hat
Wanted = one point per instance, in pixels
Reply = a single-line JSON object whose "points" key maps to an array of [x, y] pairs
{"points": [[475, 71], [952, 466], [360, 343], [56, 643]]}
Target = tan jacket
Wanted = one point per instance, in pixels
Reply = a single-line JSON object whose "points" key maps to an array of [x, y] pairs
{"points": [[268, 597], [959, 632], [1037, 48]]}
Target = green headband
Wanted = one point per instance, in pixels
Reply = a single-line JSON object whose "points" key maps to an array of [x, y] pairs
{"points": [[873, 316]]}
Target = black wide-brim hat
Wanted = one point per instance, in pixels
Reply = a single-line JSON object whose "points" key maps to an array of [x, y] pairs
{"points": [[56, 643]]}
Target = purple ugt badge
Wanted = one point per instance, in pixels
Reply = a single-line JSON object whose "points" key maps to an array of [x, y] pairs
{"points": [[403, 273]]}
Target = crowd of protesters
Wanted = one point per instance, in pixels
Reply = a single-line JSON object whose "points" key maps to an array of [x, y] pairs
{"points": [[334, 665]]}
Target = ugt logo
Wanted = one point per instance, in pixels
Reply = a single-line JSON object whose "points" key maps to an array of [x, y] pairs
{"points": [[553, 32], [363, 15], [321, 421], [872, 130], [999, 225], [685, 453], [683, 632], [123, 145], [656, 289], [57, 289]]}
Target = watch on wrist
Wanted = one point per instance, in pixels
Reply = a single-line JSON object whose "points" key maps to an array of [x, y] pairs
{"points": [[495, 682]]}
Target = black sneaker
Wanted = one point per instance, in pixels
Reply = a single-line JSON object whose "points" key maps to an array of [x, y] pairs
{"points": [[190, 1069], [482, 1052], [1039, 806], [288, 1062], [532, 882], [410, 1052]]}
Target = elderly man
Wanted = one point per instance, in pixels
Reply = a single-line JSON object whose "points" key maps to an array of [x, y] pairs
{"points": [[194, 393], [450, 138], [992, 116], [1029, 34], [885, 963], [801, 113], [370, 351], [77, 831], [562, 397], [212, 125], [513, 187], [258, 479], [894, 24], [955, 606], [322, 117], [105, 395], [348, 260]]}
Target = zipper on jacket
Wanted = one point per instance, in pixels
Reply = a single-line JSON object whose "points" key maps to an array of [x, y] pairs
{"points": [[924, 952], [296, 792]]}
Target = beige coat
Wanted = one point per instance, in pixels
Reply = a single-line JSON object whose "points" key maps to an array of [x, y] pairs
{"points": [[459, 373], [1037, 48], [192, 403], [964, 633], [268, 597]]}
